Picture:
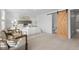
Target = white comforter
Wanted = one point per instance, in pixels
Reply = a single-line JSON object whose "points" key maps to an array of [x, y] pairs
{"points": [[31, 30]]}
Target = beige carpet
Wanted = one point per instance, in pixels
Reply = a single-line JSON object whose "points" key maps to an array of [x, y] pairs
{"points": [[44, 41]]}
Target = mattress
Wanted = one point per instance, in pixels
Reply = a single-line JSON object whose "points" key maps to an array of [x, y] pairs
{"points": [[31, 30]]}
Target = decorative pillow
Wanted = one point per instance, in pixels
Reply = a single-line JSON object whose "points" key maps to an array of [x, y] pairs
{"points": [[11, 42], [3, 45]]}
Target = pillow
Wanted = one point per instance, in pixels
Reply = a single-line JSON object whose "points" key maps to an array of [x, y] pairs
{"points": [[3, 45], [11, 42]]}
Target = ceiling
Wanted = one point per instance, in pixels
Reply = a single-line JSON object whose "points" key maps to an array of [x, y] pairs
{"points": [[30, 12]]}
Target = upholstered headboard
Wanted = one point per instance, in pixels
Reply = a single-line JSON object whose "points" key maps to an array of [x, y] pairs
{"points": [[24, 22]]}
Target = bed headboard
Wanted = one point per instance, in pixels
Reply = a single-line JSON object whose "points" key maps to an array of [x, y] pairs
{"points": [[24, 22]]}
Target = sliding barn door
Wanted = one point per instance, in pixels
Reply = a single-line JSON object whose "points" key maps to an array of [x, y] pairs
{"points": [[62, 23]]}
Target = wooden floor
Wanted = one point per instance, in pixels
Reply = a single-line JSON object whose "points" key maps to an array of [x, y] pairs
{"points": [[44, 41]]}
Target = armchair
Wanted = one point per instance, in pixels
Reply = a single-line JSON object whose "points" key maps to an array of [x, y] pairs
{"points": [[21, 42]]}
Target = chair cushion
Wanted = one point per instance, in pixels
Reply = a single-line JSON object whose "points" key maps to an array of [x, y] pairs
{"points": [[3, 45], [11, 43], [3, 35]]}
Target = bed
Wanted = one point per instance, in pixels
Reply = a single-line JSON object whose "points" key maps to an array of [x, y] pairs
{"points": [[31, 30]]}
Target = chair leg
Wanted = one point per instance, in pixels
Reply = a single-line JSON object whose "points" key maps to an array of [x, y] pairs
{"points": [[26, 46]]}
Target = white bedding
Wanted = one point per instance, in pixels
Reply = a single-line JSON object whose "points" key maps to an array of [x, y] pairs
{"points": [[31, 30]]}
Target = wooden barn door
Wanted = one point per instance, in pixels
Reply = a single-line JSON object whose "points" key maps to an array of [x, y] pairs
{"points": [[62, 23]]}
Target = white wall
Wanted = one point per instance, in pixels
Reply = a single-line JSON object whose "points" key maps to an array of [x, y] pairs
{"points": [[0, 19], [44, 21], [9, 18], [34, 21], [13, 16]]}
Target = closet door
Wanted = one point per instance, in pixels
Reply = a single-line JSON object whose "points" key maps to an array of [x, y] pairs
{"points": [[62, 23]]}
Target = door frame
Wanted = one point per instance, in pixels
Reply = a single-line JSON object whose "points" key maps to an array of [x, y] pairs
{"points": [[69, 22], [69, 25], [55, 20]]}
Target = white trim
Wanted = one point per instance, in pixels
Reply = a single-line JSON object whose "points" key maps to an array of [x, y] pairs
{"points": [[49, 13], [3, 14], [69, 25]]}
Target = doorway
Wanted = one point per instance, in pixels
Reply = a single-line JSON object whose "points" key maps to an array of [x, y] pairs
{"points": [[74, 17], [54, 24]]}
